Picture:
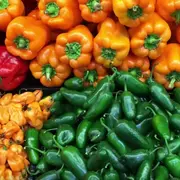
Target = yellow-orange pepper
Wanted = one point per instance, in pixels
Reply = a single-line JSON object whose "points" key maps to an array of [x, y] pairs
{"points": [[167, 67], [9, 129], [150, 38], [46, 102], [18, 137], [3, 154], [137, 66], [4, 114], [2, 170], [6, 99], [8, 174], [38, 94], [111, 44]]}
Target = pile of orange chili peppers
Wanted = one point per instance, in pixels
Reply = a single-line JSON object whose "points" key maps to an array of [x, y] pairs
{"points": [[17, 112], [60, 38]]}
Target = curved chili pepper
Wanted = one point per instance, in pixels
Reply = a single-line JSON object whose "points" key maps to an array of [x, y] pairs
{"points": [[111, 47], [145, 126], [167, 72], [137, 66], [24, 41], [132, 13], [95, 11], [75, 47], [48, 69], [74, 83], [9, 11], [151, 42], [59, 14]]}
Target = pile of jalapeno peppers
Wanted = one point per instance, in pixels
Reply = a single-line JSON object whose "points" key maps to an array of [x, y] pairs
{"points": [[121, 129]]}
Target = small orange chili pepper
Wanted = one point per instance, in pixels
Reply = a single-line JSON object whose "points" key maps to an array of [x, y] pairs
{"points": [[7, 142], [38, 94], [46, 114], [26, 36], [75, 47], [18, 137], [6, 99], [4, 114], [46, 102], [48, 69], [34, 115], [9, 129], [137, 66], [8, 174], [3, 154], [92, 73], [24, 98], [2, 170]]}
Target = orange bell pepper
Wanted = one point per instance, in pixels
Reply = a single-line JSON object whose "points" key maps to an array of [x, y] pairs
{"points": [[3, 154], [132, 13], [35, 14], [167, 67], [92, 73], [9, 9], [34, 115], [18, 137], [26, 36], [95, 11], [75, 47], [178, 34], [169, 10], [60, 14], [111, 44], [16, 114], [150, 38], [48, 69], [137, 66], [9, 129], [6, 99]]}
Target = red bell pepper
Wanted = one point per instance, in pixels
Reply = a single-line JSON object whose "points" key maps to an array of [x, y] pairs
{"points": [[13, 70]]}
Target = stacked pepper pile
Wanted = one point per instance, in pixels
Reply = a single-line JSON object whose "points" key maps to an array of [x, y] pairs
{"points": [[59, 38], [121, 129]]}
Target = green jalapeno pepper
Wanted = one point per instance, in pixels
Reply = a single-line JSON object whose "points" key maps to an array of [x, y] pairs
{"points": [[176, 107], [65, 134], [160, 126], [111, 174], [114, 113], [176, 93], [161, 173], [144, 171], [142, 112], [67, 118], [160, 95], [88, 90], [92, 176], [115, 141], [113, 156], [57, 108], [50, 175], [97, 160], [174, 121], [73, 160], [46, 139], [32, 140], [102, 103], [82, 133], [57, 96], [97, 132], [134, 158], [134, 85], [127, 132], [67, 175], [75, 98], [74, 83], [128, 104], [145, 126], [106, 84]]}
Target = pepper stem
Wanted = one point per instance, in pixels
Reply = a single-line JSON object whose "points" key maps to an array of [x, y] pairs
{"points": [[104, 125], [176, 15], [173, 77], [38, 150], [52, 9], [135, 12], [167, 146], [53, 129], [57, 144], [32, 174], [152, 110], [48, 71], [108, 53], [94, 5], [21, 42], [125, 85], [73, 50], [90, 76], [152, 41], [4, 4]]}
